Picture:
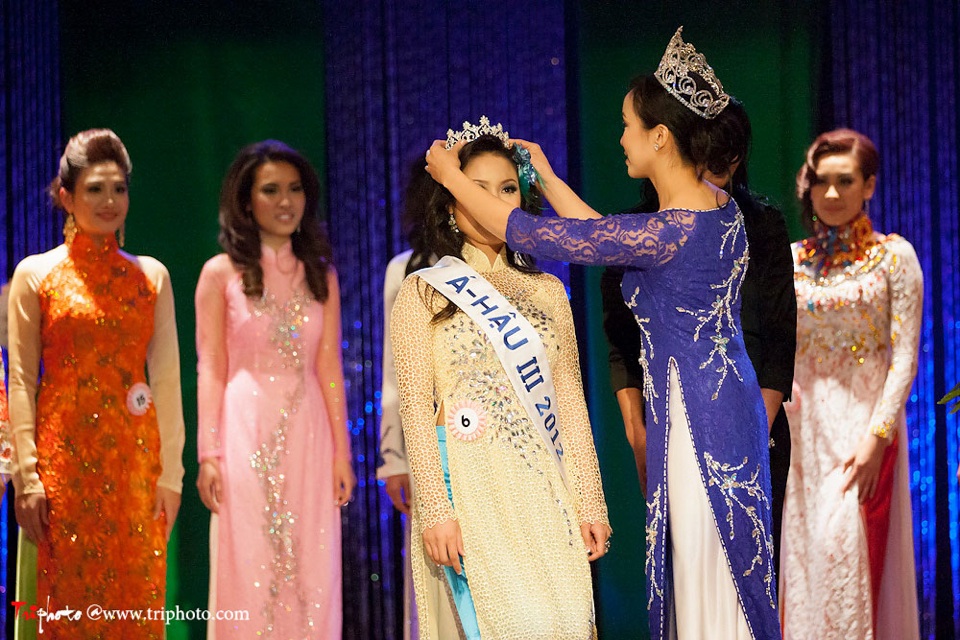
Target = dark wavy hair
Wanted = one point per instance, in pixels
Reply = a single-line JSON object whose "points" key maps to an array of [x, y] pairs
{"points": [[838, 141], [426, 216], [83, 151], [240, 235]]}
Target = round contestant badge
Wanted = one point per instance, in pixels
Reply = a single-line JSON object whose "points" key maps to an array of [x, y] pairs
{"points": [[467, 420], [139, 399]]}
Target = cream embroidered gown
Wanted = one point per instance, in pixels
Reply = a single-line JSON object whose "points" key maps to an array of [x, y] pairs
{"points": [[524, 555], [858, 330]]}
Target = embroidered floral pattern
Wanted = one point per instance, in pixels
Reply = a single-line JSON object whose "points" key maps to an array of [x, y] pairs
{"points": [[655, 521], [718, 320], [859, 325], [99, 463], [646, 354], [728, 479]]}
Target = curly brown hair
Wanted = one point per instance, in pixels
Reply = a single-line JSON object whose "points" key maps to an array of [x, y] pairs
{"points": [[240, 234]]}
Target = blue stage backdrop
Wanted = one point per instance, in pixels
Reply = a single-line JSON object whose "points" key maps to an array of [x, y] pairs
{"points": [[399, 73], [29, 149], [895, 76]]}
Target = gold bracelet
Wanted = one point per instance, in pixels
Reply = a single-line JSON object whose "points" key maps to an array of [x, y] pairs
{"points": [[883, 430]]}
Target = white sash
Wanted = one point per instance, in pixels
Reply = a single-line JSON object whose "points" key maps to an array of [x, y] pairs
{"points": [[515, 341]]}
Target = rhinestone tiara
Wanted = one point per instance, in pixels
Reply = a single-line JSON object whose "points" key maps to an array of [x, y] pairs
{"points": [[683, 73], [471, 132]]}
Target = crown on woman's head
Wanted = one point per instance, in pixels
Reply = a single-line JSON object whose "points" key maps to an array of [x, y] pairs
{"points": [[471, 132], [679, 61]]}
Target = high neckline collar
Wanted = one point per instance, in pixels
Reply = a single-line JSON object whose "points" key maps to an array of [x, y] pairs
{"points": [[84, 244], [840, 246], [479, 261], [281, 254], [858, 233]]}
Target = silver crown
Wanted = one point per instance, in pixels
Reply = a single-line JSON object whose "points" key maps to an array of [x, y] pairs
{"points": [[471, 132], [678, 62]]}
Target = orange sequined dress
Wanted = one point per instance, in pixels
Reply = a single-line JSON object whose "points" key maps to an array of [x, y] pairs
{"points": [[96, 450], [6, 449]]}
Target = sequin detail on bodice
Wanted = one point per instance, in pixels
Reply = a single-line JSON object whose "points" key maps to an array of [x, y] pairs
{"points": [[285, 325]]}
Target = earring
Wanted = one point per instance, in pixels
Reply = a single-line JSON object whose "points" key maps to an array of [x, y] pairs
{"points": [[122, 234], [656, 146], [452, 221], [69, 229], [866, 207]]}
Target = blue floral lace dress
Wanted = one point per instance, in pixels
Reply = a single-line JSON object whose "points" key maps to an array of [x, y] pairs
{"points": [[683, 274]]}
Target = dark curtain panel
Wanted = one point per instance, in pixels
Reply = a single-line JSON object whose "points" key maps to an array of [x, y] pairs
{"points": [[895, 76], [30, 117], [29, 149], [399, 73]]}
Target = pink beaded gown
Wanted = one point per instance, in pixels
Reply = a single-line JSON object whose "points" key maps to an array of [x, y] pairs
{"points": [[275, 545]]}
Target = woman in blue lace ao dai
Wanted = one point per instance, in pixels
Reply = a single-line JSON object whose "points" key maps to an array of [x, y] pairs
{"points": [[709, 546]]}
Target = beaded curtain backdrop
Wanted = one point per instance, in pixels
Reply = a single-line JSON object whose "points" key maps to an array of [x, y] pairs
{"points": [[895, 76], [29, 149]]}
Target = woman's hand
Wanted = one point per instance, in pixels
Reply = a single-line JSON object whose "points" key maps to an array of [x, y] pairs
{"points": [[210, 485], [442, 162], [167, 504], [596, 537], [537, 158], [32, 516], [864, 466], [343, 481], [398, 488], [444, 544]]}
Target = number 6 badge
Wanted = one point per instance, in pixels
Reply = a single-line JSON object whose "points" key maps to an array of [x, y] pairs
{"points": [[467, 420]]}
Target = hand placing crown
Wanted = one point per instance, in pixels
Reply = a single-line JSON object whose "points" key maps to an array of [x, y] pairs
{"points": [[686, 76], [470, 132]]}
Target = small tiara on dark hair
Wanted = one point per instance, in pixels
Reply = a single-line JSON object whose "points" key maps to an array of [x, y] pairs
{"points": [[673, 73], [471, 132]]}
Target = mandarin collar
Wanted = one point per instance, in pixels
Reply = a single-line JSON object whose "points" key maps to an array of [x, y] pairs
{"points": [[83, 244], [479, 261], [282, 256]]}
